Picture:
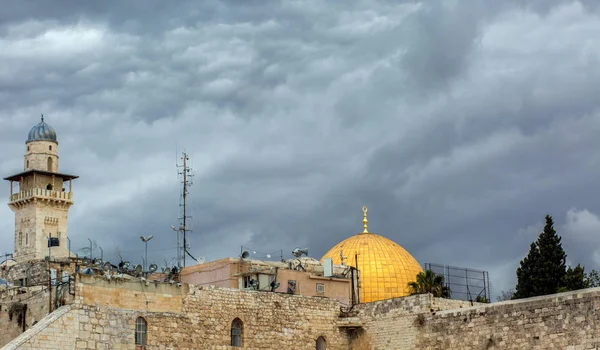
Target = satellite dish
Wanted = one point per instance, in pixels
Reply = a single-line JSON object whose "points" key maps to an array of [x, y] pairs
{"points": [[126, 265], [137, 269], [98, 262], [245, 254], [274, 285], [153, 267], [85, 261], [166, 270], [298, 252], [87, 271], [106, 266]]}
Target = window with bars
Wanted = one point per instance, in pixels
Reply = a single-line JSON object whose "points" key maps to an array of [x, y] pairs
{"points": [[141, 329], [320, 288], [237, 330]]}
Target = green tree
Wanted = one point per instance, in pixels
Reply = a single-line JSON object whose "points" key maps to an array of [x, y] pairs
{"points": [[542, 272], [573, 279], [550, 268], [481, 299], [592, 279], [525, 274], [429, 282]]}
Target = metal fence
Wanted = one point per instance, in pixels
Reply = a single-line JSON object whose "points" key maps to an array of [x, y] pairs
{"points": [[464, 283]]}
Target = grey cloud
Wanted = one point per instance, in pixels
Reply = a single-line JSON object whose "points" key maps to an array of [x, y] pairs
{"points": [[459, 124]]}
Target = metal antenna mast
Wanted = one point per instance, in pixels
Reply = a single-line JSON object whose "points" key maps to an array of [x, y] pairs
{"points": [[187, 181]]}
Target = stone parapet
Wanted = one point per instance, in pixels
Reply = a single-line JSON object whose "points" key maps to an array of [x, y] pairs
{"points": [[40, 193]]}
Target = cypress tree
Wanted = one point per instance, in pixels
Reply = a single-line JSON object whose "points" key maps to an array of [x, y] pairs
{"points": [[542, 272], [526, 274], [574, 279], [550, 268]]}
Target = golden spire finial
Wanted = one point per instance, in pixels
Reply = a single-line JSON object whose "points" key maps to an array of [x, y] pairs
{"points": [[365, 221]]}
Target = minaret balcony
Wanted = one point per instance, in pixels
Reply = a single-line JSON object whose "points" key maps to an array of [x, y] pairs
{"points": [[42, 194]]}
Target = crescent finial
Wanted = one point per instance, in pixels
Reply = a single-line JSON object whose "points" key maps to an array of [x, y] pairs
{"points": [[365, 221]]}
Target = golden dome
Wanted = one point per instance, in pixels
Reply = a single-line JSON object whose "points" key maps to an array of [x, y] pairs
{"points": [[385, 267]]}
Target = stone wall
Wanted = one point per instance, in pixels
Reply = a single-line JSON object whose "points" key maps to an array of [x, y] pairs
{"points": [[34, 276], [52, 332], [104, 313], [560, 321], [36, 300], [185, 317], [394, 323]]}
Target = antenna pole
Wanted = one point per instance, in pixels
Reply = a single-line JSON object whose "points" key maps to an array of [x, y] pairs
{"points": [[184, 205], [186, 183]]}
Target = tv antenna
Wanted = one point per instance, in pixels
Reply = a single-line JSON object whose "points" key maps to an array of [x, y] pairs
{"points": [[186, 172]]}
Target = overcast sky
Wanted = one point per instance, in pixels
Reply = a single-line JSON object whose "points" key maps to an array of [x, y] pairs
{"points": [[459, 124]]}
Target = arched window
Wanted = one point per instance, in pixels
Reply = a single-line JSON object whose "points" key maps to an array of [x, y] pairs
{"points": [[49, 163], [141, 330], [237, 331], [27, 238], [28, 164], [49, 187], [20, 239], [50, 147], [321, 343]]}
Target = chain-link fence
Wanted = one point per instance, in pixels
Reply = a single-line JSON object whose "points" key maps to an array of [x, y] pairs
{"points": [[464, 284]]}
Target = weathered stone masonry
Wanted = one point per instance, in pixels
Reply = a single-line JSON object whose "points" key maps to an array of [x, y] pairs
{"points": [[104, 313]]}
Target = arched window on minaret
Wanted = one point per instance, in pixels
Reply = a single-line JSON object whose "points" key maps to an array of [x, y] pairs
{"points": [[20, 239], [27, 238], [49, 163]]}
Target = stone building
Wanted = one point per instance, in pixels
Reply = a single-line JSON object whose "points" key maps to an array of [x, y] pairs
{"points": [[301, 276], [40, 197]]}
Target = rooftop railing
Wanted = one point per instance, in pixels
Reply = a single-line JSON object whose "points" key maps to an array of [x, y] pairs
{"points": [[39, 192]]}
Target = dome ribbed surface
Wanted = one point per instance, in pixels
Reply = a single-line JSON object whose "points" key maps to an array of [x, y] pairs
{"points": [[385, 267], [42, 132]]}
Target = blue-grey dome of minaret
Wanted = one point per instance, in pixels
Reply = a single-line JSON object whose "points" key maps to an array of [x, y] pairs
{"points": [[42, 132]]}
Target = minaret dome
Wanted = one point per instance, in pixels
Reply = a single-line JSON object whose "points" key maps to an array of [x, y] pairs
{"points": [[42, 132]]}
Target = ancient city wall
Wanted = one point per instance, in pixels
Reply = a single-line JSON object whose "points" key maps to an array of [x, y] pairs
{"points": [[393, 323], [55, 331], [36, 301], [560, 321], [104, 314], [563, 321]]}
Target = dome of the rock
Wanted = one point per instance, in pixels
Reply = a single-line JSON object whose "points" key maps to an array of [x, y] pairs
{"points": [[385, 267]]}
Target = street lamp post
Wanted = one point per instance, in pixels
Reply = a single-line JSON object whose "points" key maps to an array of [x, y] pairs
{"points": [[145, 240]]}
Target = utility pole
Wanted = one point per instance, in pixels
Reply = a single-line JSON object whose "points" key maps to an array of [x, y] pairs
{"points": [[187, 181]]}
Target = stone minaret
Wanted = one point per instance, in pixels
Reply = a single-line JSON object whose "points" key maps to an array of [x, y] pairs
{"points": [[40, 196]]}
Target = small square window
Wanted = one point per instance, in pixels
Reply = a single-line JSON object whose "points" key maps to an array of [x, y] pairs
{"points": [[320, 288]]}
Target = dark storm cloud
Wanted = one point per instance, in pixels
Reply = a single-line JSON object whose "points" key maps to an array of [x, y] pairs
{"points": [[460, 124]]}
